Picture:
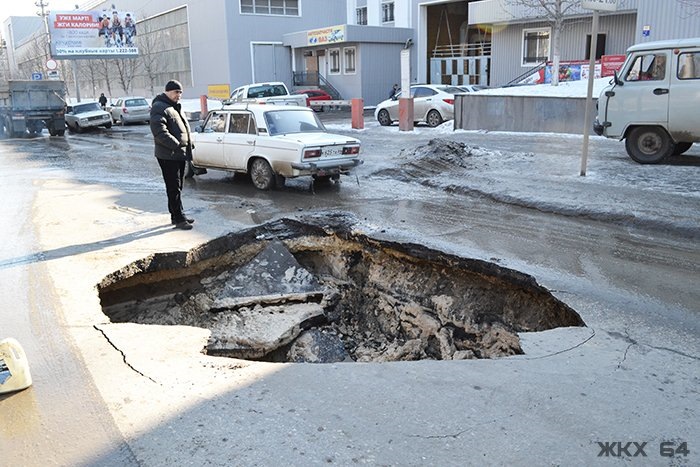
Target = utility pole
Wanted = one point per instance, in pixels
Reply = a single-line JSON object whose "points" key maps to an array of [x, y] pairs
{"points": [[44, 13]]}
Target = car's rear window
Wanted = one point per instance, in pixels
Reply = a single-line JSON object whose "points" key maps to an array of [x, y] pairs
{"points": [[292, 121], [136, 102], [267, 90]]}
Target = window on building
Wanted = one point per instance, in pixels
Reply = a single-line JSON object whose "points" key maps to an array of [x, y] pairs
{"points": [[349, 60], [387, 12], [334, 61], [535, 46], [270, 7], [689, 65], [599, 46], [361, 15]]}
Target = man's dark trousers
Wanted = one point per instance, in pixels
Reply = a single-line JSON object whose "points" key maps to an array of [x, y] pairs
{"points": [[173, 175]]}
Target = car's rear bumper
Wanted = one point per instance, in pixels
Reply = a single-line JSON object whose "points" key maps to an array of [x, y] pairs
{"points": [[326, 167]]}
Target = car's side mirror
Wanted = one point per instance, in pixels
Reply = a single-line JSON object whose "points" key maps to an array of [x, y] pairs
{"points": [[198, 129]]}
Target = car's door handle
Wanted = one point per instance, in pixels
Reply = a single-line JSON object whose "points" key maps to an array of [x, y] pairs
{"points": [[660, 91], [250, 141], [219, 139]]}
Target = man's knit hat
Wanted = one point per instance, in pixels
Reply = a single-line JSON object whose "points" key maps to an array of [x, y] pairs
{"points": [[173, 85]]}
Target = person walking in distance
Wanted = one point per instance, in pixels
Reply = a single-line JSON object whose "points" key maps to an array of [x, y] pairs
{"points": [[173, 148], [103, 101]]}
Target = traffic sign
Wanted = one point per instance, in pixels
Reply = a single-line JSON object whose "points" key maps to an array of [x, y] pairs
{"points": [[36, 76], [53, 75], [51, 64]]}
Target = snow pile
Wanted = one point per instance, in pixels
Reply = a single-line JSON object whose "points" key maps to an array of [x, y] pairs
{"points": [[565, 89]]}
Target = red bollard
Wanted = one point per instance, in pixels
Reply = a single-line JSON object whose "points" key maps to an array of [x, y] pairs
{"points": [[405, 114], [203, 106], [357, 113]]}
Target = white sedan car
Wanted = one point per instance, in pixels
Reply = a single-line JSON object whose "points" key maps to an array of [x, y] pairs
{"points": [[432, 104], [271, 143], [80, 117]]}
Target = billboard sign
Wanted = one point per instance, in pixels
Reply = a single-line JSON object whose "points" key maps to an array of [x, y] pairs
{"points": [[93, 34]]}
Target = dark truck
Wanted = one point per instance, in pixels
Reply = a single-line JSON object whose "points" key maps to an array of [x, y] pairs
{"points": [[28, 106]]}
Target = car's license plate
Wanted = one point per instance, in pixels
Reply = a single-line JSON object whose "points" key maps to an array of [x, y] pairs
{"points": [[332, 151]]}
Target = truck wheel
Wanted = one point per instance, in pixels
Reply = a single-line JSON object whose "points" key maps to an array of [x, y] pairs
{"points": [[60, 132], [648, 144], [261, 174], [681, 148]]}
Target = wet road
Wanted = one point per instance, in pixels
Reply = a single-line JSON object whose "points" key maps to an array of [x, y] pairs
{"points": [[647, 273]]}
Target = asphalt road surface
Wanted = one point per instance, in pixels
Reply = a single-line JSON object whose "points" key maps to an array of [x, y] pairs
{"points": [[646, 274]]}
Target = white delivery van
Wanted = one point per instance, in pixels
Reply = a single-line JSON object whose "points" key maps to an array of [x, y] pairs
{"points": [[654, 101]]}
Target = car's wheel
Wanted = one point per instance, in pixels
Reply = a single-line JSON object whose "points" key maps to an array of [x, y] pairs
{"points": [[108, 125], [261, 174], [648, 144], [681, 148], [78, 128], [434, 118], [384, 118]]}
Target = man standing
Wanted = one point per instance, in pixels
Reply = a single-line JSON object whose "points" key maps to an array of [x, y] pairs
{"points": [[173, 147], [103, 101]]}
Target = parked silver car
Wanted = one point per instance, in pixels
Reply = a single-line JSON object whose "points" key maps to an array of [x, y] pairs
{"points": [[80, 117], [130, 110], [432, 104]]}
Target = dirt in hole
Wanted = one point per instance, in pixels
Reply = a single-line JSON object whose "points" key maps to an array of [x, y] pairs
{"points": [[318, 291]]}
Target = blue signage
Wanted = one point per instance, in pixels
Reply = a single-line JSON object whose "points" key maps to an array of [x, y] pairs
{"points": [[36, 76]]}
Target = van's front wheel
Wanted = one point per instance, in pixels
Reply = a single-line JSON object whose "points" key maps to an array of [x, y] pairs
{"points": [[648, 144]]}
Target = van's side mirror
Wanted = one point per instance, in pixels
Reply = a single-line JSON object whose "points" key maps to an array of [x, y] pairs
{"points": [[617, 79]]}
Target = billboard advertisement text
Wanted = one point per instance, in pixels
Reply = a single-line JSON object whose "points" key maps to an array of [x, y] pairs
{"points": [[93, 34]]}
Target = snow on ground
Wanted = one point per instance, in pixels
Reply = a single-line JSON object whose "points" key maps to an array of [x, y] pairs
{"points": [[564, 89]]}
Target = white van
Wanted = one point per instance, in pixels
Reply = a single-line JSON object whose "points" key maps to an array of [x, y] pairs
{"points": [[653, 102]]}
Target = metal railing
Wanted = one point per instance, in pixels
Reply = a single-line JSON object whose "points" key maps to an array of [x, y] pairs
{"points": [[315, 79], [529, 72], [462, 50]]}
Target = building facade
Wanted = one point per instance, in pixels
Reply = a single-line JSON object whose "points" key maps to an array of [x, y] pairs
{"points": [[352, 48]]}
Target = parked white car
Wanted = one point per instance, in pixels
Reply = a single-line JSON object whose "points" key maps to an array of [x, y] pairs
{"points": [[432, 104], [130, 110], [88, 115], [267, 93], [271, 143]]}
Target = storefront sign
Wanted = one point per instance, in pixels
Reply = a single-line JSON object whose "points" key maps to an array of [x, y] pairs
{"points": [[331, 35]]}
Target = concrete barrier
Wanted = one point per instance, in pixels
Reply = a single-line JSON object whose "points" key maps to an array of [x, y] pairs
{"points": [[520, 113]]}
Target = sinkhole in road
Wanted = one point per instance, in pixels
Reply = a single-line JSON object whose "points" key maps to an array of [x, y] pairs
{"points": [[317, 290]]}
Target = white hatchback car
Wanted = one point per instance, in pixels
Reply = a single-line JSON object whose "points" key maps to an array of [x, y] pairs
{"points": [[130, 110], [432, 104], [271, 143]]}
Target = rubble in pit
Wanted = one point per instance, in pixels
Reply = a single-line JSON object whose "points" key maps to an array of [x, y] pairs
{"points": [[312, 292]]}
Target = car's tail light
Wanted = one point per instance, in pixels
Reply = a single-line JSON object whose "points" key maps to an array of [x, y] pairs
{"points": [[125, 110], [312, 152], [347, 150], [449, 101]]}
